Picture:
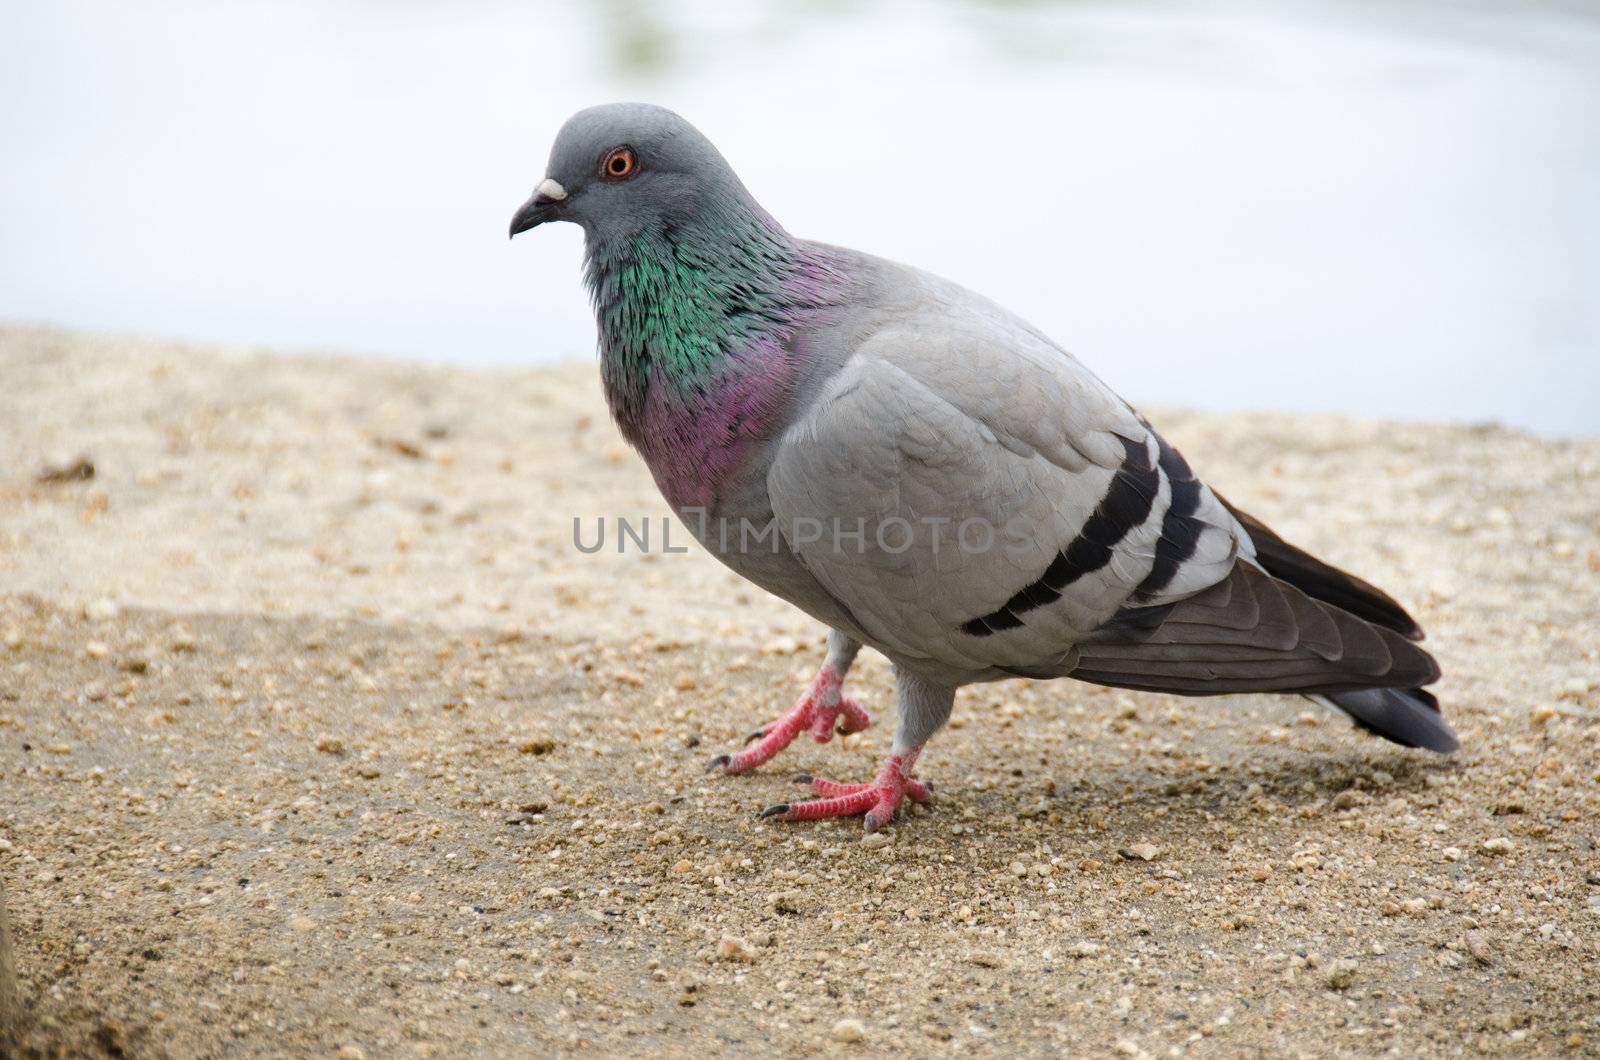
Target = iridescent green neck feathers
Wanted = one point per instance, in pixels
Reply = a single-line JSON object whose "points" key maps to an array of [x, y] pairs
{"points": [[697, 337]]}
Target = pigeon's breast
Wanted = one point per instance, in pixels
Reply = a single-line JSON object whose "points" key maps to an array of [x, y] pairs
{"points": [[698, 437]]}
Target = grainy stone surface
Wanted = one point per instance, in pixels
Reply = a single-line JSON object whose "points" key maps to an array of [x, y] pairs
{"points": [[319, 737]]}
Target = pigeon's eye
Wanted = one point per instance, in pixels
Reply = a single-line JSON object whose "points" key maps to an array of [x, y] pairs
{"points": [[620, 164]]}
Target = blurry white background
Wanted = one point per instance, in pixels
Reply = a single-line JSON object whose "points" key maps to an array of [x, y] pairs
{"points": [[1380, 208]]}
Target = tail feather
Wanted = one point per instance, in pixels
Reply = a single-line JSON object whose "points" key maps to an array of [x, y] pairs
{"points": [[1253, 632], [1408, 716], [1322, 581]]}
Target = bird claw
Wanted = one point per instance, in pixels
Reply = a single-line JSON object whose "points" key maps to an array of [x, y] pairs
{"points": [[852, 719], [822, 710], [878, 801]]}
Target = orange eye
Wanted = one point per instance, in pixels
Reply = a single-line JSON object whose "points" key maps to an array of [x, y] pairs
{"points": [[620, 164]]}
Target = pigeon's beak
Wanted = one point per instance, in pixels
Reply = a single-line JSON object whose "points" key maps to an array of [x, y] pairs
{"points": [[540, 208]]}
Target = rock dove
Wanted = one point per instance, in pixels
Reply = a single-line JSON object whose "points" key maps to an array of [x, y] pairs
{"points": [[930, 476]]}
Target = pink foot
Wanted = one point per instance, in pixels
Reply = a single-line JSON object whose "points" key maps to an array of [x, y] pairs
{"points": [[879, 800], [818, 710]]}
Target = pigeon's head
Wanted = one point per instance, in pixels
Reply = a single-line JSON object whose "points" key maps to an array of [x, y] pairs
{"points": [[623, 168]]}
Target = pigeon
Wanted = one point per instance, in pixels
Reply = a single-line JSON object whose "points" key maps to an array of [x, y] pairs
{"points": [[930, 476]]}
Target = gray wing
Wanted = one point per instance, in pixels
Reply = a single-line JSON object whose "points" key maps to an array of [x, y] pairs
{"points": [[1008, 504]]}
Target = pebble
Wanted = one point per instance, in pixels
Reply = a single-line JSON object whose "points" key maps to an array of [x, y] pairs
{"points": [[1341, 973], [1348, 798], [1478, 946], [101, 610], [849, 1030], [874, 840], [1141, 852], [1574, 689], [734, 948], [1498, 845], [330, 745], [351, 1052], [1084, 949], [787, 902]]}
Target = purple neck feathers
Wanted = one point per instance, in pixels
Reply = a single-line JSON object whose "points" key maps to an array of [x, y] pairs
{"points": [[699, 341]]}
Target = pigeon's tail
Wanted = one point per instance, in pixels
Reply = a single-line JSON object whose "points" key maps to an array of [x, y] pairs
{"points": [[1252, 632], [1408, 716]]}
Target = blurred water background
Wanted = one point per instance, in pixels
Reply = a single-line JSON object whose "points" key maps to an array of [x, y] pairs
{"points": [[1384, 208]]}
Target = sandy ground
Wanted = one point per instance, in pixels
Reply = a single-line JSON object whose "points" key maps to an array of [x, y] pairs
{"points": [[319, 737]]}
